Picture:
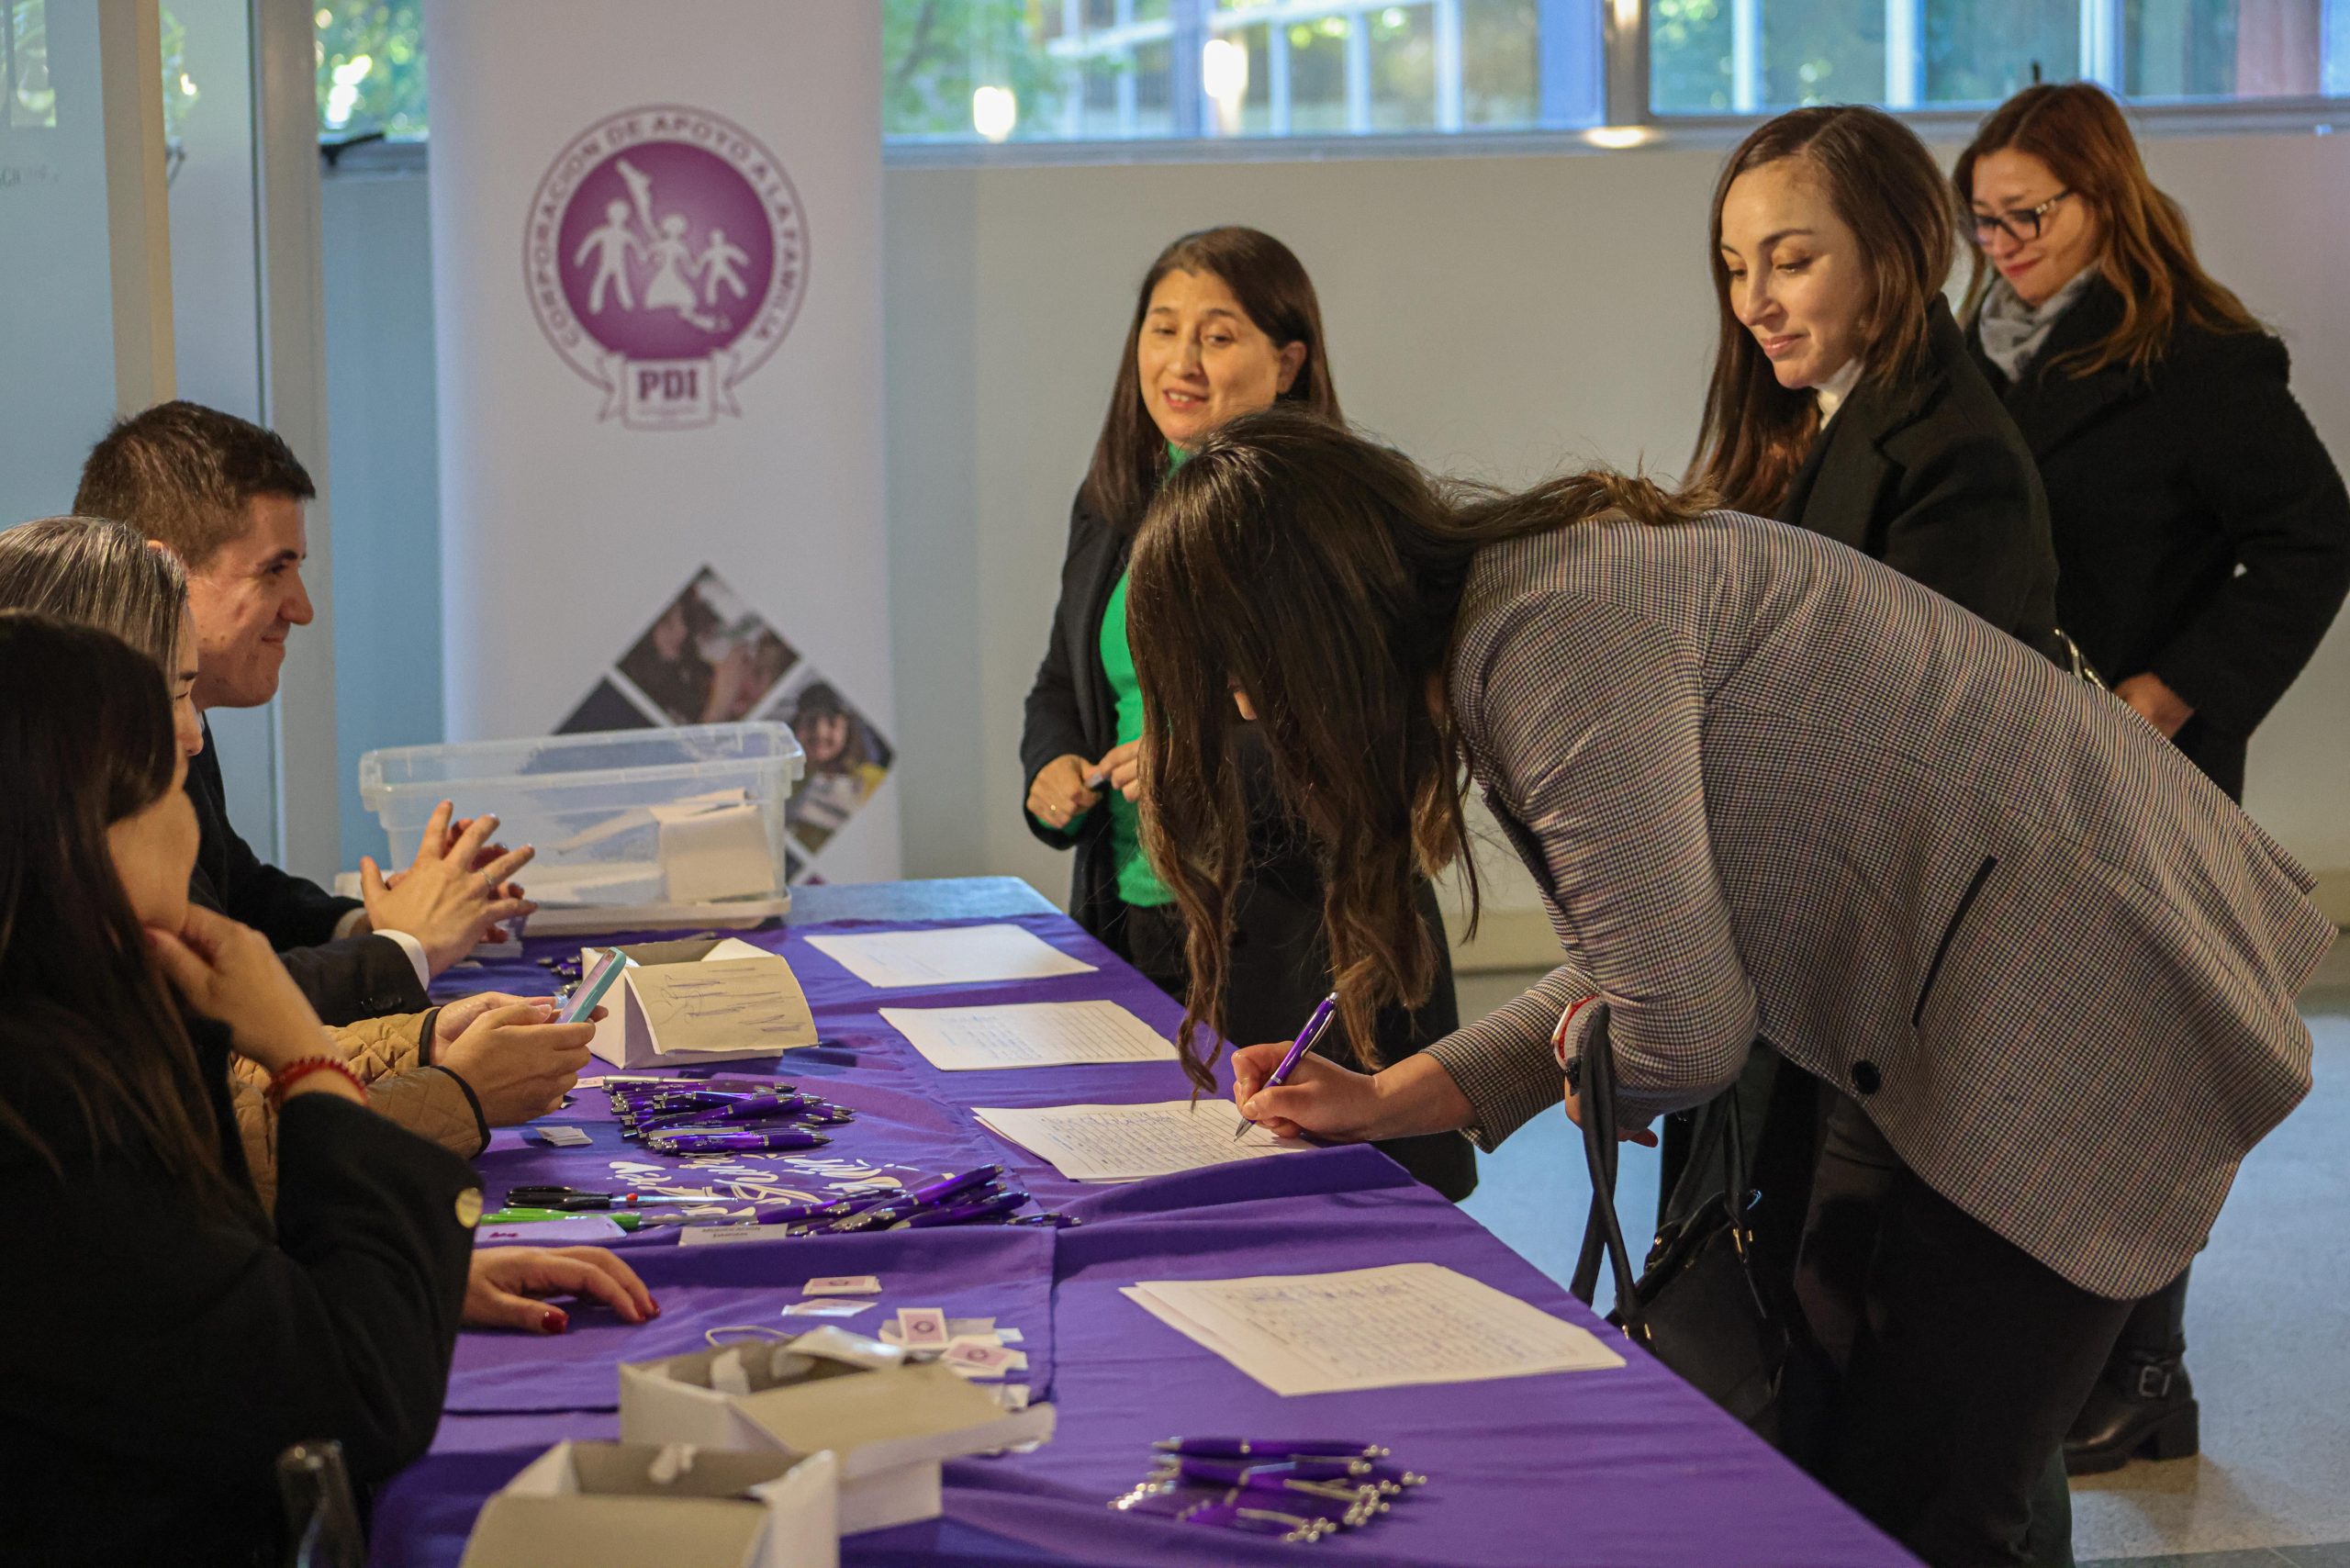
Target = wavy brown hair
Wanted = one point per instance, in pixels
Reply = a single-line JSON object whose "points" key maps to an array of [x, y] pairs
{"points": [[85, 729], [1321, 574], [1269, 282], [2146, 254], [1886, 187]]}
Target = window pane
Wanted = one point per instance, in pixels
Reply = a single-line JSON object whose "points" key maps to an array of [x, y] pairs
{"points": [[2226, 49], [1402, 68], [1823, 52], [1690, 57], [371, 67], [1983, 51], [1500, 69], [1317, 76]]}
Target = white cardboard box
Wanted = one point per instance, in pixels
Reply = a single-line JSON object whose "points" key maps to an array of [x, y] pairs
{"points": [[626, 1504], [689, 1003], [889, 1426]]}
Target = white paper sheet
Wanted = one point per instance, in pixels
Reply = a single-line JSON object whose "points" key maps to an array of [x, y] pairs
{"points": [[1389, 1328], [1029, 1034], [1128, 1143], [958, 954]]}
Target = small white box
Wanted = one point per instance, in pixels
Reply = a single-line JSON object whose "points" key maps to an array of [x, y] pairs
{"points": [[889, 1426], [692, 1002], [625, 1505]]}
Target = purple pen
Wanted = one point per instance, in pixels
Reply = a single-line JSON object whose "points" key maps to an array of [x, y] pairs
{"points": [[985, 1204], [1296, 1052], [1269, 1448], [749, 1108], [736, 1142]]}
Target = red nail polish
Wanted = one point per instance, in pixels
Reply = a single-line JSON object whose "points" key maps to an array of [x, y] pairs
{"points": [[555, 1321]]}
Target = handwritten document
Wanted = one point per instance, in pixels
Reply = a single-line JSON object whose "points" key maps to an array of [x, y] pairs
{"points": [[1408, 1323], [736, 998], [1128, 1143], [955, 955], [1035, 1034]]}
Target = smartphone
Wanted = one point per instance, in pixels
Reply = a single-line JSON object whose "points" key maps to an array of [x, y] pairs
{"points": [[592, 986]]}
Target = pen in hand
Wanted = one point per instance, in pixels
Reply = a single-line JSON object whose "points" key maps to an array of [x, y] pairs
{"points": [[1291, 1057]]}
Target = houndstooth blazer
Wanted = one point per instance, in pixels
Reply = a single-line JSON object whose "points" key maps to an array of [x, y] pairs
{"points": [[1776, 789]]}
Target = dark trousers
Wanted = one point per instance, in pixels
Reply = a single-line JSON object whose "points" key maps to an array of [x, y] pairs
{"points": [[1279, 971], [1946, 1363]]}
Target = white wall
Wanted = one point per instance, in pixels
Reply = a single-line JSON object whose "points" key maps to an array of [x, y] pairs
{"points": [[1495, 316]]}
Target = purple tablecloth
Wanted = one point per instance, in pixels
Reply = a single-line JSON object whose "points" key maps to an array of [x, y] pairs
{"points": [[1608, 1469]]}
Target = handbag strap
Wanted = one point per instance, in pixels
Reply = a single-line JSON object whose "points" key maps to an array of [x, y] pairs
{"points": [[1603, 1231]]}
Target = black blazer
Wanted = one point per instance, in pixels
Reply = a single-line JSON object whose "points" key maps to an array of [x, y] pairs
{"points": [[1281, 964], [159, 1354], [2203, 532], [1930, 477], [356, 977]]}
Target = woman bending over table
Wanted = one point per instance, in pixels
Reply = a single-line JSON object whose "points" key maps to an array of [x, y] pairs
{"points": [[165, 1341], [1772, 789]]}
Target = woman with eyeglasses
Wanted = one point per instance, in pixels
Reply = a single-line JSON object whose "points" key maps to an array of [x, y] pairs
{"points": [[2202, 531]]}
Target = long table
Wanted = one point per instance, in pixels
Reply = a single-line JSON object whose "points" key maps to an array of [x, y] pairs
{"points": [[1605, 1469]]}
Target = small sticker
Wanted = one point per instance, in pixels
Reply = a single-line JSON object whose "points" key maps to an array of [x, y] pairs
{"points": [[469, 1207], [978, 1358], [846, 1284], [923, 1327], [1009, 1336]]}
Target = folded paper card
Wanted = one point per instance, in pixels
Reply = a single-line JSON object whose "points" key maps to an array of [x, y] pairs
{"points": [[700, 1001], [624, 1504], [890, 1423]]}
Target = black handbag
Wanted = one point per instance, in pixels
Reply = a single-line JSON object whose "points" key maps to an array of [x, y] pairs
{"points": [[1696, 1305]]}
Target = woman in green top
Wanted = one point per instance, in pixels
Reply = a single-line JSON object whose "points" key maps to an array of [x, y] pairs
{"points": [[1225, 323]]}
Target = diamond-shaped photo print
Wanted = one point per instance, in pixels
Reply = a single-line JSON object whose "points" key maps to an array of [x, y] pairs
{"points": [[847, 758], [710, 658]]}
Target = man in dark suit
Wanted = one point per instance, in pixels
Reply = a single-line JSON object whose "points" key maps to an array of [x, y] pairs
{"points": [[226, 496]]}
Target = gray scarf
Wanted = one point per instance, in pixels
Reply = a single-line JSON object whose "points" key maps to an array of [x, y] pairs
{"points": [[2013, 332]]}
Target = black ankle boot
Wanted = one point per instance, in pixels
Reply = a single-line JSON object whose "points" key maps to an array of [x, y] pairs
{"points": [[2144, 1407], [2143, 1404]]}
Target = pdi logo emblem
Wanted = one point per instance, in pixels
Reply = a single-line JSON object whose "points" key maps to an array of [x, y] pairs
{"points": [[667, 255]]}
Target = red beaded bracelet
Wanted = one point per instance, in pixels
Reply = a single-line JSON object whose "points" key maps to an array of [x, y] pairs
{"points": [[293, 1072]]}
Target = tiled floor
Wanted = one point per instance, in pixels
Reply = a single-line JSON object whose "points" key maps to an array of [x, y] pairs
{"points": [[2269, 1325]]}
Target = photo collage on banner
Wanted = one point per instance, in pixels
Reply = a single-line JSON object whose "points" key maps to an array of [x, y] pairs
{"points": [[710, 658]]}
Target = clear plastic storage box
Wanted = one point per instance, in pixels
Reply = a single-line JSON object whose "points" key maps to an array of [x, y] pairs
{"points": [[635, 830]]}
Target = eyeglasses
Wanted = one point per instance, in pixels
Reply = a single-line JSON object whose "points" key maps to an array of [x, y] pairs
{"points": [[2021, 224]]}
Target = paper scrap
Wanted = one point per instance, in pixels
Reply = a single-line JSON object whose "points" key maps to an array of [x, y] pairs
{"points": [[844, 1284], [1387, 1327], [1012, 1396], [827, 1308], [1034, 1034], [955, 955], [1128, 1143], [562, 1135]]}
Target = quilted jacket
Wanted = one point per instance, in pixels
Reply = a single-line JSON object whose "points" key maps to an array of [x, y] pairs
{"points": [[392, 1056]]}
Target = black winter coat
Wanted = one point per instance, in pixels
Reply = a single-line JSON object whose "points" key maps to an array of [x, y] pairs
{"points": [[1930, 475], [2202, 531]]}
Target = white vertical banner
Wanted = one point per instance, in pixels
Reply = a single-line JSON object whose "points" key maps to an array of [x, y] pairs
{"points": [[656, 268]]}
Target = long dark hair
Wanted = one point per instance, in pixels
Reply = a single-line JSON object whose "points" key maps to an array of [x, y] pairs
{"points": [[1321, 574], [1884, 184], [2148, 253], [1269, 282], [85, 732]]}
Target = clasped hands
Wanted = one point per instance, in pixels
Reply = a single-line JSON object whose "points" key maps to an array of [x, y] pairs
{"points": [[454, 894], [1068, 787]]}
